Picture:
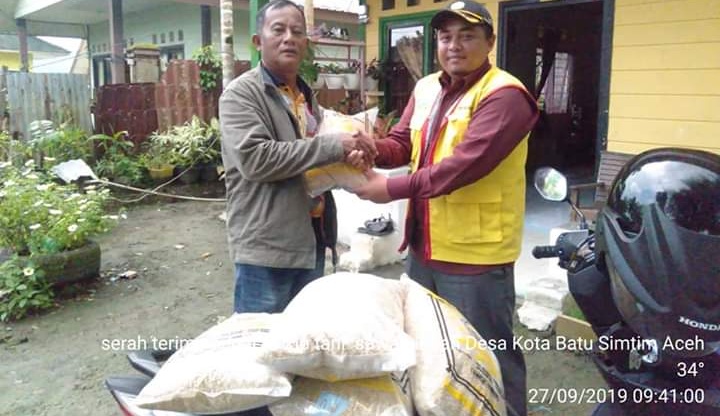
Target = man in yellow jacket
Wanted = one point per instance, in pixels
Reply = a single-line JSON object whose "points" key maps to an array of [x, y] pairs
{"points": [[464, 132]]}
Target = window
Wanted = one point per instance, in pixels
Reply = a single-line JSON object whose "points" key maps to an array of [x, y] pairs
{"points": [[171, 36], [388, 4], [180, 35], [169, 53], [162, 38], [154, 38], [413, 2], [132, 41], [407, 55], [555, 88]]}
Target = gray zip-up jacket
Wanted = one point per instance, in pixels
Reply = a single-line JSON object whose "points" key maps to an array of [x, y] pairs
{"points": [[264, 155]]}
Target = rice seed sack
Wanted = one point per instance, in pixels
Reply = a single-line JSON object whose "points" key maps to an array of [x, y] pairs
{"points": [[342, 326], [455, 374], [379, 396], [218, 371]]}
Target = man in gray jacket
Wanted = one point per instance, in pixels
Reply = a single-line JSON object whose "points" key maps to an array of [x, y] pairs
{"points": [[277, 233]]}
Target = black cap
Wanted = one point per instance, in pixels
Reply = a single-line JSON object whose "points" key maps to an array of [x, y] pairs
{"points": [[470, 11]]}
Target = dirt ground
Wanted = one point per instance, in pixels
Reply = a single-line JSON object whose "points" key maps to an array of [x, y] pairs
{"points": [[55, 363]]}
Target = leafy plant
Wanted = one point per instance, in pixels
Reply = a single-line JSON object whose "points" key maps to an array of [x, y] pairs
{"points": [[191, 143], [13, 151], [210, 67], [331, 68], [374, 69], [22, 289], [118, 161], [61, 144], [38, 215], [309, 69]]}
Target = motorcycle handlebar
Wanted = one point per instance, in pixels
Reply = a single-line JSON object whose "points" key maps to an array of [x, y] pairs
{"points": [[540, 252]]}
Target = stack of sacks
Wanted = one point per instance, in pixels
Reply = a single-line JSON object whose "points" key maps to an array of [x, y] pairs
{"points": [[344, 334], [335, 175], [362, 346]]}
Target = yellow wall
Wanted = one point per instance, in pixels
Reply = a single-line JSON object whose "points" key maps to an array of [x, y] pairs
{"points": [[665, 79], [372, 29], [12, 60]]}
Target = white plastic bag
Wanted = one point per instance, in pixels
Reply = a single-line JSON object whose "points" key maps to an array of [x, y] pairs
{"points": [[455, 374], [335, 175], [380, 396], [340, 327], [218, 372]]}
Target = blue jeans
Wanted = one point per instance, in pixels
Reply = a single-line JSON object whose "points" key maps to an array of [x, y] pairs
{"points": [[270, 289], [488, 302]]}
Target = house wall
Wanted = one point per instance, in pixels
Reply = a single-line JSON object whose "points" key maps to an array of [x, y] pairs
{"points": [[186, 17], [11, 60], [665, 80]]}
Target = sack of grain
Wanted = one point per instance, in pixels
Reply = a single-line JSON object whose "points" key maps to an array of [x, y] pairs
{"points": [[456, 374], [379, 396], [340, 327], [335, 175], [218, 372]]}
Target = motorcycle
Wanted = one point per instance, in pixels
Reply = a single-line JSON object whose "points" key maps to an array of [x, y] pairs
{"points": [[643, 375]]}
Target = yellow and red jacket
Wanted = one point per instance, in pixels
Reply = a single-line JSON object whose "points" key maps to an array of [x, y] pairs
{"points": [[480, 223]]}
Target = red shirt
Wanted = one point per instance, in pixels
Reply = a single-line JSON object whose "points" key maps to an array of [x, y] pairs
{"points": [[497, 126]]}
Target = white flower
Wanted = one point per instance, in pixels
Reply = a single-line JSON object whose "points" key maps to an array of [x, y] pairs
{"points": [[91, 192], [30, 163], [47, 205], [34, 227], [73, 196], [55, 212], [42, 188], [37, 204], [90, 187], [123, 216], [2, 194], [28, 271], [81, 220], [9, 183], [49, 159], [4, 165], [32, 176], [72, 228]]}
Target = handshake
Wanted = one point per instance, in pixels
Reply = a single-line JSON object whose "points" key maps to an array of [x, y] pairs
{"points": [[360, 150]]}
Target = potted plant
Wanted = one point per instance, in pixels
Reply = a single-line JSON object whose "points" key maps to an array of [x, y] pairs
{"points": [[192, 145], [352, 75], [333, 75], [50, 224], [373, 74]]}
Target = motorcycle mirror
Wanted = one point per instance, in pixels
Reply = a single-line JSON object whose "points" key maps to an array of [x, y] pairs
{"points": [[551, 184]]}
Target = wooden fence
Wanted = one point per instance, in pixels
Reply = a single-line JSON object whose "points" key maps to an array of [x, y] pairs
{"points": [[55, 97]]}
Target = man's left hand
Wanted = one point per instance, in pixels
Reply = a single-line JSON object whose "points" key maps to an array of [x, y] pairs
{"points": [[375, 189]]}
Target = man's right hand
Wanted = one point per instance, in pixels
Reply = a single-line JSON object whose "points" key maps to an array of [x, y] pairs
{"points": [[362, 142]]}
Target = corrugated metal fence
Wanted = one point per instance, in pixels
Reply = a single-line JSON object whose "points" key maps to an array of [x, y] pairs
{"points": [[46, 97]]}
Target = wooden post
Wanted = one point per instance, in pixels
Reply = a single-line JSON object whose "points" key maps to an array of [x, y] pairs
{"points": [[22, 36], [309, 15], [255, 6], [227, 50], [206, 25], [117, 59], [3, 99]]}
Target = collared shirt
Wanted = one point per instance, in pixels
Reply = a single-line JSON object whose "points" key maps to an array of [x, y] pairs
{"points": [[497, 126], [298, 102]]}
